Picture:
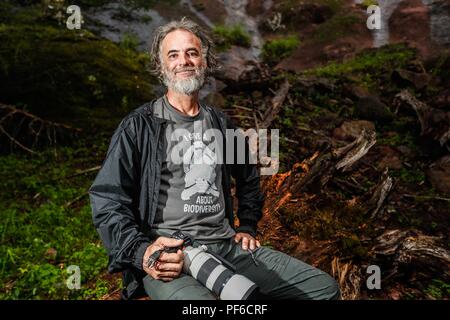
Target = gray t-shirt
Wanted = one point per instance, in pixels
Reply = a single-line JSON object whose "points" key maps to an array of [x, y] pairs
{"points": [[191, 197]]}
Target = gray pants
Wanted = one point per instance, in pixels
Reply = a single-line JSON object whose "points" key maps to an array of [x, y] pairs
{"points": [[278, 276]]}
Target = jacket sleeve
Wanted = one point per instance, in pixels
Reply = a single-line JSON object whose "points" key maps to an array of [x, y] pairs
{"points": [[248, 191], [113, 200]]}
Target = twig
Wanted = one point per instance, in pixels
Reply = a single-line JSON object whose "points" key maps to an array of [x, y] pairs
{"points": [[241, 116], [68, 204], [426, 197], [109, 295], [256, 121], [289, 140], [15, 141], [96, 168], [243, 108], [277, 102], [12, 126]]}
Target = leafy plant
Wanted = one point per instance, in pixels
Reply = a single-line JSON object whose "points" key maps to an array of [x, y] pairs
{"points": [[275, 50], [231, 35]]}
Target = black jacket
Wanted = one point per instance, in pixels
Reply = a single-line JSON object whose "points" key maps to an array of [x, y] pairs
{"points": [[124, 195]]}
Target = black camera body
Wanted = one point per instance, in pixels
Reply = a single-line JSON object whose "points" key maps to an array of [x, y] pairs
{"points": [[182, 236]]}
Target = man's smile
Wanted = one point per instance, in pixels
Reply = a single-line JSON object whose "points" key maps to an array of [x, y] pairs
{"points": [[186, 72]]}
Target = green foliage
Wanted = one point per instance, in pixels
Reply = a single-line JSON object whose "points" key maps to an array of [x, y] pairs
{"points": [[231, 35], [56, 72], [368, 3], [275, 50], [42, 232], [129, 41], [438, 289], [370, 65]]}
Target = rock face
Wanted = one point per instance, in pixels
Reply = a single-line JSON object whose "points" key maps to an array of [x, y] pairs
{"points": [[115, 20], [236, 64], [439, 175], [410, 22], [319, 22], [351, 130]]}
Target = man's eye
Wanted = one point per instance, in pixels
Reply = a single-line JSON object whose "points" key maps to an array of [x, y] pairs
{"points": [[172, 56]]}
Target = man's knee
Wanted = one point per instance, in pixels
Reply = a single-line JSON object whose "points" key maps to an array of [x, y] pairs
{"points": [[183, 288], [331, 290]]}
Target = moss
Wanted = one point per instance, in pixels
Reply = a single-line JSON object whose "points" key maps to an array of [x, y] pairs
{"points": [[54, 72], [369, 65], [275, 50], [339, 25], [351, 245], [368, 3], [231, 35]]}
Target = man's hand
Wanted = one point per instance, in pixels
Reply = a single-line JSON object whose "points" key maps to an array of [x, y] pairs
{"points": [[169, 265], [247, 241]]}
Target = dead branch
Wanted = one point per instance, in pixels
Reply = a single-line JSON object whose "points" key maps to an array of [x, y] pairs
{"points": [[79, 173], [348, 277], [419, 107], [380, 194], [434, 123], [413, 248], [277, 102], [325, 166], [70, 203], [356, 150], [314, 173], [15, 141], [28, 131], [426, 197]]}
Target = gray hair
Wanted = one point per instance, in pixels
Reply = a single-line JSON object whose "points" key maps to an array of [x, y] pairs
{"points": [[208, 48]]}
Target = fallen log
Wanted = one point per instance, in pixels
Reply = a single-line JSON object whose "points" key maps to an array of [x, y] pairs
{"points": [[313, 174], [434, 123], [413, 249], [277, 102]]}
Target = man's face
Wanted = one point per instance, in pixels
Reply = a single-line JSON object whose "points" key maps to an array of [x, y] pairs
{"points": [[182, 62]]}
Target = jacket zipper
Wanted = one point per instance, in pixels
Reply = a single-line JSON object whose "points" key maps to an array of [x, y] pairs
{"points": [[157, 178]]}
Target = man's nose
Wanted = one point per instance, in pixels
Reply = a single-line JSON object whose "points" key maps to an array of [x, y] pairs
{"points": [[184, 60]]}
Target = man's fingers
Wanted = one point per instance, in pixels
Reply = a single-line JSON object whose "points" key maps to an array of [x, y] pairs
{"points": [[168, 274], [244, 243], [252, 244], [238, 237], [171, 257], [258, 244], [170, 267]]}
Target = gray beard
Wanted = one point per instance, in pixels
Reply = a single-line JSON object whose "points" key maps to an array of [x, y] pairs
{"points": [[185, 86]]}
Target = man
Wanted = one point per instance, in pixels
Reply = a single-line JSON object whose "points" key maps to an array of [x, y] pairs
{"points": [[162, 173]]}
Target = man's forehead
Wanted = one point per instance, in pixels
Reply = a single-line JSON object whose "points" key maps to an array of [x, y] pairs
{"points": [[180, 40]]}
